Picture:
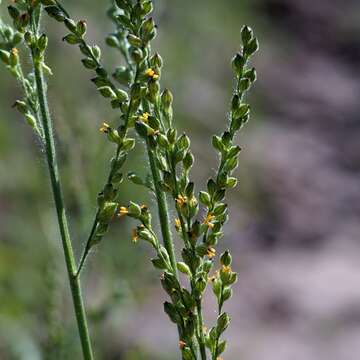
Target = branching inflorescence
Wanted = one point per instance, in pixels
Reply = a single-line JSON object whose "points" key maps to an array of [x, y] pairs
{"points": [[134, 90]]}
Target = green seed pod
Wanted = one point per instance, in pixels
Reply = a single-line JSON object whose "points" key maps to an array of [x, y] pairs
{"points": [[227, 293], [166, 99], [148, 30], [188, 161], [89, 63], [137, 55], [108, 211], [226, 258], [154, 90], [217, 287], [121, 95], [42, 43], [223, 322], [21, 106], [200, 285], [134, 41], [134, 210], [96, 52], [146, 235], [81, 28], [251, 75], [159, 264], [112, 41], [221, 347], [147, 8], [182, 267], [238, 63], [156, 61], [252, 47], [124, 21], [207, 265], [107, 92], [205, 198], [246, 34], [31, 120], [71, 39], [171, 135]]}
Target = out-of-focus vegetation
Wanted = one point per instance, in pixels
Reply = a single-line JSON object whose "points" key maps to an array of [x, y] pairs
{"points": [[296, 229]]}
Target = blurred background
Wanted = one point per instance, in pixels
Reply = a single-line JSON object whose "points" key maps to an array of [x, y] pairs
{"points": [[294, 226]]}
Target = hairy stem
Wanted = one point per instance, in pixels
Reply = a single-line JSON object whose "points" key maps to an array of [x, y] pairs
{"points": [[61, 215]]}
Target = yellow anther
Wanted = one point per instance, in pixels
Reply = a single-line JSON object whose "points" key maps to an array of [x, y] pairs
{"points": [[226, 269], [181, 200], [177, 224], [211, 252], [134, 235], [144, 117], [123, 211], [208, 220], [105, 128], [151, 74]]}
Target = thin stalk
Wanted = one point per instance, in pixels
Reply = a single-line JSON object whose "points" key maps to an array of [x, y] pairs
{"points": [[162, 209], [61, 215], [201, 339]]}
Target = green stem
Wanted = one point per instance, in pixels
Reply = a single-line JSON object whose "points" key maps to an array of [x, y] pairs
{"points": [[61, 215], [201, 330], [162, 209]]}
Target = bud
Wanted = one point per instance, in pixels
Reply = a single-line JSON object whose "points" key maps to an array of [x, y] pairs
{"points": [[21, 107], [71, 39], [166, 99], [134, 40], [226, 258], [156, 61], [238, 63], [223, 322], [246, 34], [42, 42], [81, 28], [107, 92], [134, 210], [182, 267]]}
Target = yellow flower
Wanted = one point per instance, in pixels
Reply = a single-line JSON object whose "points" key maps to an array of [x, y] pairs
{"points": [[211, 252], [15, 51], [151, 74], [226, 269], [181, 200], [134, 235], [144, 117], [208, 220], [177, 224], [123, 211], [105, 128]]}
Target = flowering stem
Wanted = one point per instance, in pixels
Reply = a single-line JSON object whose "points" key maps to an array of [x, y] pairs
{"points": [[61, 215]]}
